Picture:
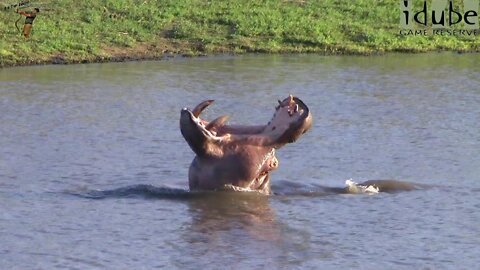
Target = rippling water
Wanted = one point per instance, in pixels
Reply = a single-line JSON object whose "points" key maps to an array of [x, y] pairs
{"points": [[93, 168]]}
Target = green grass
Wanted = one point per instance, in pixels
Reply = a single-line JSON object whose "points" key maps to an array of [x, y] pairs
{"points": [[92, 30]]}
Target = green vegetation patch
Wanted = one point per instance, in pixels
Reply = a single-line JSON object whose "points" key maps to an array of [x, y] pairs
{"points": [[82, 31]]}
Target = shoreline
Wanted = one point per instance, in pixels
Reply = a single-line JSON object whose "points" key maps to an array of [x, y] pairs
{"points": [[138, 54], [118, 31]]}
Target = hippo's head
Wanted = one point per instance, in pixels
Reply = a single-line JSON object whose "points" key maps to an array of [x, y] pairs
{"points": [[292, 119], [240, 155]]}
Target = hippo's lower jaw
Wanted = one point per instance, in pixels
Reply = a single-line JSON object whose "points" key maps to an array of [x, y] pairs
{"points": [[240, 156], [263, 188], [261, 184]]}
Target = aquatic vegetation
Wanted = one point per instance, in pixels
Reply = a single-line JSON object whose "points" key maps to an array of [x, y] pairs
{"points": [[82, 31]]}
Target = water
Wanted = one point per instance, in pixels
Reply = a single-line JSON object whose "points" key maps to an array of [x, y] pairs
{"points": [[89, 154]]}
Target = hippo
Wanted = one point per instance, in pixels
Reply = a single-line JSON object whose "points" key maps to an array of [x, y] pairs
{"points": [[237, 156]]}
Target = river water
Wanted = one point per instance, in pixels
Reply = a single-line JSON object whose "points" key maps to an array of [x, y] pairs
{"points": [[93, 168]]}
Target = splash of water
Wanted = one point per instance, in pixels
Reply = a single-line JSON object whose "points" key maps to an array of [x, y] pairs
{"points": [[354, 187]]}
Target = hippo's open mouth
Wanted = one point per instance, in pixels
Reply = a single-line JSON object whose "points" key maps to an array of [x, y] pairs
{"points": [[287, 123], [240, 155]]}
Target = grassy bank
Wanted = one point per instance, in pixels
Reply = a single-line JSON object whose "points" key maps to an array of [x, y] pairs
{"points": [[82, 31]]}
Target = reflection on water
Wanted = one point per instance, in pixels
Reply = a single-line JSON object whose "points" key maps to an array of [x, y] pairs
{"points": [[227, 212], [113, 128], [218, 221], [239, 229]]}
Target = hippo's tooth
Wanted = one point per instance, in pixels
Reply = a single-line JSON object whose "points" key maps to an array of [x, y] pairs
{"points": [[200, 107], [219, 121], [295, 110], [290, 99]]}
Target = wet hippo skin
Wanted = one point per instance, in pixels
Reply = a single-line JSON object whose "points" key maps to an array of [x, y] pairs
{"points": [[240, 156]]}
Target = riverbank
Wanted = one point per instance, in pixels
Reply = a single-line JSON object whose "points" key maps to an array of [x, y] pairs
{"points": [[100, 31]]}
